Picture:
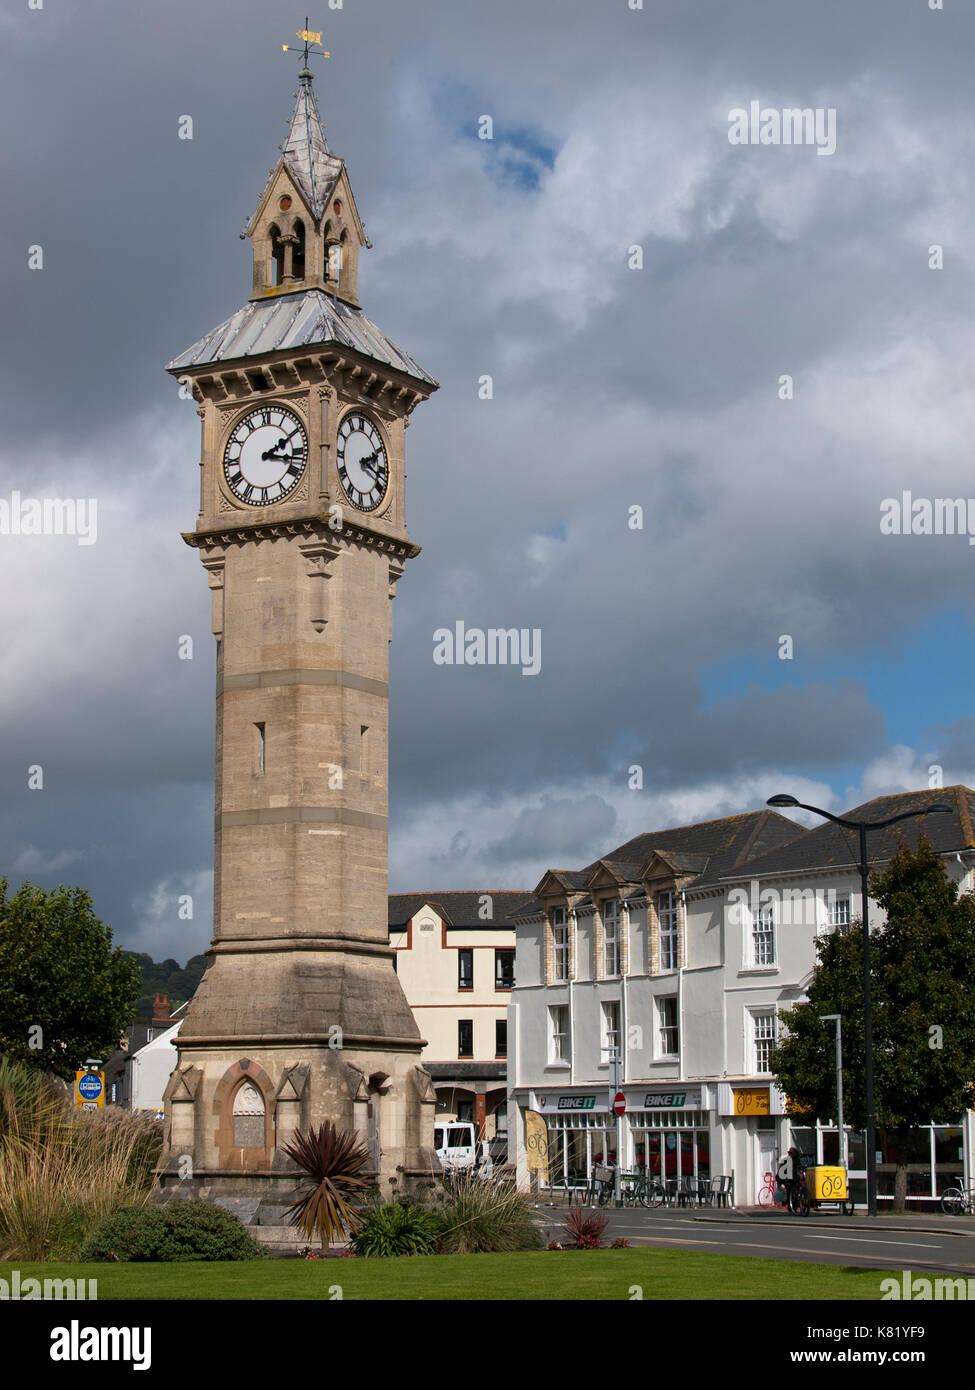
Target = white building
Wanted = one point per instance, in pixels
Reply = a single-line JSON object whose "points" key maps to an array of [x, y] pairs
{"points": [[677, 949], [455, 957]]}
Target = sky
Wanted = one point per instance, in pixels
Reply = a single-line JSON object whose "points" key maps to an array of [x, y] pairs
{"points": [[639, 488]]}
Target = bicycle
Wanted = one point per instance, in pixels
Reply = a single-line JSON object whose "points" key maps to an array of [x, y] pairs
{"points": [[766, 1193], [955, 1200], [648, 1192], [799, 1198]]}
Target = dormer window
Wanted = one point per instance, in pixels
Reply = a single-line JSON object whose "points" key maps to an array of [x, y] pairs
{"points": [[668, 921], [560, 942], [611, 935]]}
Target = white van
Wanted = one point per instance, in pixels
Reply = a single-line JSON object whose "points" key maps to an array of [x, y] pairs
{"points": [[456, 1144]]}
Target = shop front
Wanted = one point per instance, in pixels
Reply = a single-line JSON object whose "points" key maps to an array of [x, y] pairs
{"points": [[669, 1133], [934, 1157], [664, 1132], [581, 1132]]}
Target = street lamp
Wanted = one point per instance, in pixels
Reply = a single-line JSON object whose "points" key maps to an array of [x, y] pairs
{"points": [[939, 808], [841, 1135]]}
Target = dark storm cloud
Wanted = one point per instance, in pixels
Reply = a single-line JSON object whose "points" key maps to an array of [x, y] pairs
{"points": [[613, 388]]}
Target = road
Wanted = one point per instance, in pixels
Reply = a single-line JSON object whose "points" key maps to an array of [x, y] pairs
{"points": [[918, 1242]]}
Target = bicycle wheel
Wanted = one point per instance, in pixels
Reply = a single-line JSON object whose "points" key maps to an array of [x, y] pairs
{"points": [[765, 1195], [656, 1195], [952, 1201], [804, 1203], [605, 1192]]}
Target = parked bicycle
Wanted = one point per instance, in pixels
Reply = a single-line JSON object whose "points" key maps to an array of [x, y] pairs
{"points": [[646, 1191], [766, 1193], [955, 1200], [799, 1199]]}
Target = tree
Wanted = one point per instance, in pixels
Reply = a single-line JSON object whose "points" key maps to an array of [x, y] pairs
{"points": [[922, 967], [65, 994]]}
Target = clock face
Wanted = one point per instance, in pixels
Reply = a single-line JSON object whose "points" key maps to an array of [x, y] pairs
{"points": [[361, 459], [265, 456]]}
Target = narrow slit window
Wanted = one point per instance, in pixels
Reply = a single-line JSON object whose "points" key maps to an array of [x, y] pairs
{"points": [[261, 747], [363, 750]]}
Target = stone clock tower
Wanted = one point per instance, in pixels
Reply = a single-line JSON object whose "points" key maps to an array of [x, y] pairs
{"points": [[302, 532]]}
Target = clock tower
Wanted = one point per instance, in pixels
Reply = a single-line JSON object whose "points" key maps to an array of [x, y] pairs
{"points": [[304, 404]]}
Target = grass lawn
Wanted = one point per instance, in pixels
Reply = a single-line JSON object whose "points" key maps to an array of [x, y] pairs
{"points": [[567, 1274]]}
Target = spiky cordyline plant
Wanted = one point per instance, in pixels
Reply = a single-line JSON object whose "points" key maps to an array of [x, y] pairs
{"points": [[333, 1160]]}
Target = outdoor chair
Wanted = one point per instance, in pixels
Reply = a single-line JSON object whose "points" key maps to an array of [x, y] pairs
{"points": [[719, 1194]]}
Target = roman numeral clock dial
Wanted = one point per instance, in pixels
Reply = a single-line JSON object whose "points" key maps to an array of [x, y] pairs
{"points": [[360, 456], [265, 457]]}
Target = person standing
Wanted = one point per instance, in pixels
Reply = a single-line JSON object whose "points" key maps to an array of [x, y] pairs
{"points": [[787, 1173]]}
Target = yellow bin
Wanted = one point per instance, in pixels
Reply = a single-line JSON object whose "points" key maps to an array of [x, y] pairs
{"points": [[827, 1184]]}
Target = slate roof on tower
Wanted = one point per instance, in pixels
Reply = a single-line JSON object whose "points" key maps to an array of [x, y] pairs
{"points": [[305, 319]]}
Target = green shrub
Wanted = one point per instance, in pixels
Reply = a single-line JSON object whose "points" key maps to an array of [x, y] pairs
{"points": [[395, 1229], [133, 1233], [184, 1231], [479, 1215]]}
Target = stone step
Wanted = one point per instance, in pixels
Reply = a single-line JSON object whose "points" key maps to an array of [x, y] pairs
{"points": [[285, 1239]]}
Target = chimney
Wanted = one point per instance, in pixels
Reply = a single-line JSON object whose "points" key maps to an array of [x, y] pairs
{"points": [[160, 1009]]}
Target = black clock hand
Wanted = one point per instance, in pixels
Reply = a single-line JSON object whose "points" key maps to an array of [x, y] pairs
{"points": [[273, 454]]}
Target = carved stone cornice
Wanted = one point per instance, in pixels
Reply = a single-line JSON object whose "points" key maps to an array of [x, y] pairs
{"points": [[351, 532]]}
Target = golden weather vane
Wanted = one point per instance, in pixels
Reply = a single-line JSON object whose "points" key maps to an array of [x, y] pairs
{"points": [[310, 37]]}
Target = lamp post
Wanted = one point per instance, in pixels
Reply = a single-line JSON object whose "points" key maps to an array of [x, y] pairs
{"points": [[939, 808], [614, 1061], [841, 1134]]}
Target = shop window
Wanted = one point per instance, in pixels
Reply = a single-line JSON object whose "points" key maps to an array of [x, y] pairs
{"points": [[465, 1037], [504, 969], [465, 968]]}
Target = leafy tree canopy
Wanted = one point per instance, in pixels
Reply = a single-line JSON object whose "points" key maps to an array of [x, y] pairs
{"points": [[65, 993], [922, 971]]}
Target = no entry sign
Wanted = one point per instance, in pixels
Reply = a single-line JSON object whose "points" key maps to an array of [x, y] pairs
{"points": [[619, 1103]]}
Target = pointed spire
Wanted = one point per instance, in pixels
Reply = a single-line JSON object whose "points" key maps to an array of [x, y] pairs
{"points": [[306, 154]]}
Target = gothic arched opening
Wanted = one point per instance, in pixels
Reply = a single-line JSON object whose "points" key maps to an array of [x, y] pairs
{"points": [[249, 1111]]}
